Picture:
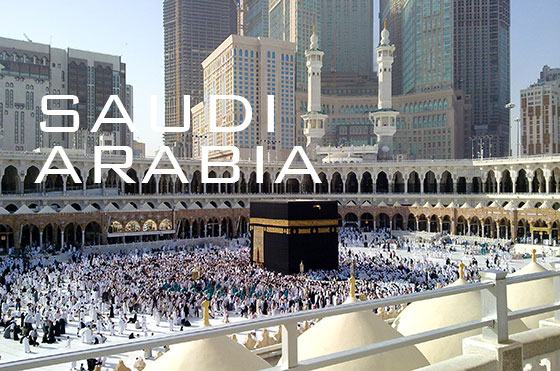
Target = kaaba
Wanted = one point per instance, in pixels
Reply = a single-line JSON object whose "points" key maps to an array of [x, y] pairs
{"points": [[288, 236]]}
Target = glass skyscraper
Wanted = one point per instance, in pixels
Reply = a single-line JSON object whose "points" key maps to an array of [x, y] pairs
{"points": [[463, 44], [192, 30]]}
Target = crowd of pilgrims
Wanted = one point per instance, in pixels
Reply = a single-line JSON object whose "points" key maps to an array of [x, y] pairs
{"points": [[110, 294]]}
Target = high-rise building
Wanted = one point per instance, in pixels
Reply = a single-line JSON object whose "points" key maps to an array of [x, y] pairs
{"points": [[540, 114], [293, 20], [347, 36], [345, 29], [256, 19], [390, 13], [482, 67], [93, 78], [192, 30], [253, 68], [459, 44], [29, 71]]}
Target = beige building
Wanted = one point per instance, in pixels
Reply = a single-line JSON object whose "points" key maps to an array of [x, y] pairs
{"points": [[540, 111], [139, 149], [252, 68], [430, 124]]}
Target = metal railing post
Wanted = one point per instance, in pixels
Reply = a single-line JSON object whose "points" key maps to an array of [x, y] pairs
{"points": [[556, 285], [289, 345], [494, 305]]}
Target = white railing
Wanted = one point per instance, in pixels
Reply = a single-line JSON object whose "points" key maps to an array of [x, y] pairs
{"points": [[494, 325]]}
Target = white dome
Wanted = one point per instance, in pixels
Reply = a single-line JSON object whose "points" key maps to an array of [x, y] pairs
{"points": [[213, 354], [531, 294], [435, 313], [357, 329]]}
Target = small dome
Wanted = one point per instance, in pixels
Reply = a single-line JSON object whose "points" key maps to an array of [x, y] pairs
{"points": [[531, 294], [357, 329], [436, 313], [213, 354]]}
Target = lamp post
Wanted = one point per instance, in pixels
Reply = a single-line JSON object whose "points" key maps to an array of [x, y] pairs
{"points": [[510, 106]]}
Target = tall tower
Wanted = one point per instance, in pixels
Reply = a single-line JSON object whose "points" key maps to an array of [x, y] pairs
{"points": [[314, 120], [384, 117]]}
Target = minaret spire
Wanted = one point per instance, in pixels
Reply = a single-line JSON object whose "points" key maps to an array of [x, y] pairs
{"points": [[314, 119], [384, 117]]}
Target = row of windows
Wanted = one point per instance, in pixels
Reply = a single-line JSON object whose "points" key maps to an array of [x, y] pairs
{"points": [[438, 105], [19, 127], [24, 58]]}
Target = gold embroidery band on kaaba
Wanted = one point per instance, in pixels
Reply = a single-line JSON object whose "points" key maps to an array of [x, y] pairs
{"points": [[282, 226], [294, 223]]}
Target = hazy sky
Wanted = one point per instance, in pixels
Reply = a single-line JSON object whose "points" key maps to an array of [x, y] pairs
{"points": [[133, 29]]}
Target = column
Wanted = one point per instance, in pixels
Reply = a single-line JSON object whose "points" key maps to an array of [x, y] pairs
{"points": [[64, 179], [220, 229], [157, 177], [84, 186], [61, 238], [139, 187], [40, 237], [421, 184], [343, 185], [21, 186], [190, 230], [83, 237], [406, 185], [122, 186], [416, 222]]}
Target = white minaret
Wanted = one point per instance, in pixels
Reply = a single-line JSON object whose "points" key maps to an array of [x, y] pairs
{"points": [[384, 117], [314, 120]]}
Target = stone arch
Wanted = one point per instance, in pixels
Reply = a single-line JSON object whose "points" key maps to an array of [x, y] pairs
{"points": [[10, 180], [336, 183], [366, 221], [351, 183], [411, 222], [446, 182], [29, 184], [414, 183], [461, 227], [196, 183], [491, 185], [430, 183], [383, 221], [30, 235], [93, 234], [398, 222], [307, 184], [366, 183], [322, 187], [398, 182], [506, 183], [292, 185], [6, 237], [382, 183], [522, 182]]}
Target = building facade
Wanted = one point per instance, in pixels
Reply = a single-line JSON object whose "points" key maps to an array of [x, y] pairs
{"points": [[29, 71], [430, 125], [252, 68], [540, 114], [347, 36], [458, 44], [513, 199], [192, 30], [256, 20]]}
